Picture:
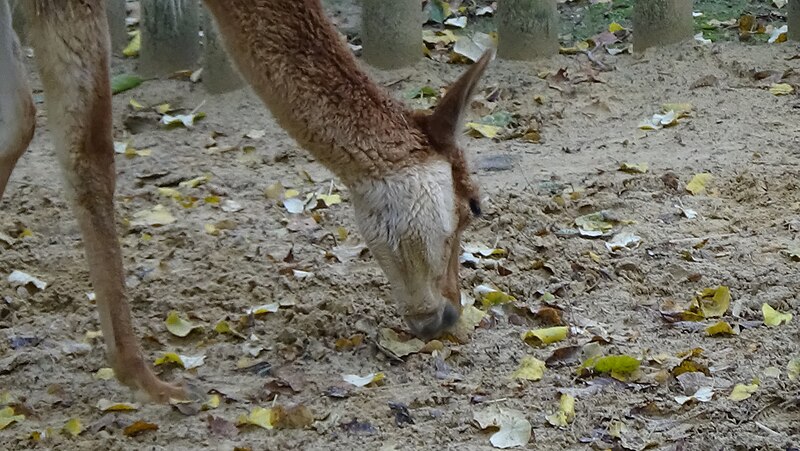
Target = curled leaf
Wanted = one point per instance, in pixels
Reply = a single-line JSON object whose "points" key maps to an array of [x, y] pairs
{"points": [[109, 406], [178, 326], [185, 361], [259, 416], [566, 412], [363, 381], [73, 427], [541, 337]]}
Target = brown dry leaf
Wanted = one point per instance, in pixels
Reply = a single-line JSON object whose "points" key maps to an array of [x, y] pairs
{"points": [[221, 426], [139, 427], [294, 417]]}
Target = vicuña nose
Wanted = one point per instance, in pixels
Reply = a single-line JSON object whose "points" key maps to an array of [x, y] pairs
{"points": [[430, 325]]}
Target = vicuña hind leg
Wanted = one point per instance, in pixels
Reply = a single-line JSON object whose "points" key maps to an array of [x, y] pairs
{"points": [[17, 114], [70, 39]]}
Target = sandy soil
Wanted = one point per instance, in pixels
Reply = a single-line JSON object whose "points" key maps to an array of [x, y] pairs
{"points": [[739, 132]]}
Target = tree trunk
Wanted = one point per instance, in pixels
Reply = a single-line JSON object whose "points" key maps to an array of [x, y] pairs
{"points": [[661, 22], [391, 32], [169, 36], [527, 29], [219, 74], [794, 20], [118, 29], [18, 21]]}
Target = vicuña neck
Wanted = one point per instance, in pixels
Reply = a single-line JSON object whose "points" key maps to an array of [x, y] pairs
{"points": [[297, 63]]}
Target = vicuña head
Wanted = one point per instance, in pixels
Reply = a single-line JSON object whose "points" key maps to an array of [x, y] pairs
{"points": [[413, 219]]}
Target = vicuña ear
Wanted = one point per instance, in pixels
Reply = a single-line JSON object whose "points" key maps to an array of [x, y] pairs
{"points": [[445, 122]]}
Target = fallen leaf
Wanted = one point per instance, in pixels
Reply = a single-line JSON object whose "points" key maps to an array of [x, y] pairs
{"points": [[265, 308], [614, 27], [444, 37], [779, 35], [741, 392], [704, 394], [8, 416], [23, 279], [185, 361], [109, 406], [73, 427], [515, 429], [720, 328], [195, 182], [156, 216], [490, 296], [104, 374], [187, 120], [546, 336], [390, 340], [620, 367], [138, 427], [483, 130], [132, 49], [565, 414], [713, 302], [363, 381], [178, 326], [457, 22], [631, 168], [659, 121], [472, 47], [124, 82], [295, 417], [260, 417], [793, 369], [781, 89], [623, 240], [221, 426], [698, 183], [774, 318], [530, 368], [294, 205]]}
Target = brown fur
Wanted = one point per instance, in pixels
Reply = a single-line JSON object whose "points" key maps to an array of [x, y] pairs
{"points": [[294, 59]]}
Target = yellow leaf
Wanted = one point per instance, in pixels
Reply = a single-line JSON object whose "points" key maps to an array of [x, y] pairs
{"points": [[290, 193], [266, 308], [223, 327], [135, 105], [156, 216], [8, 417], [483, 130], [259, 416], [26, 233], [618, 366], [108, 406], [470, 318], [774, 318], [490, 296], [720, 328], [178, 326], [73, 427], [214, 200], [170, 192], [438, 37], [781, 89], [185, 361], [104, 374], [698, 183], [212, 403], [132, 49], [195, 182], [539, 337], [330, 199], [566, 412], [211, 229], [163, 108], [630, 168], [530, 368], [342, 233], [714, 302], [615, 27], [741, 392], [793, 369]]}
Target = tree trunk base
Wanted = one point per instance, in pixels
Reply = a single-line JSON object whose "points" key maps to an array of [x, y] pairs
{"points": [[661, 22], [391, 33], [527, 29]]}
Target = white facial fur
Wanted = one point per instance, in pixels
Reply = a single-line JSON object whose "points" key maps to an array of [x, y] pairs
{"points": [[407, 219]]}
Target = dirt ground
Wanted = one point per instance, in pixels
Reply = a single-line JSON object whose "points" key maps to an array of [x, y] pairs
{"points": [[746, 137]]}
